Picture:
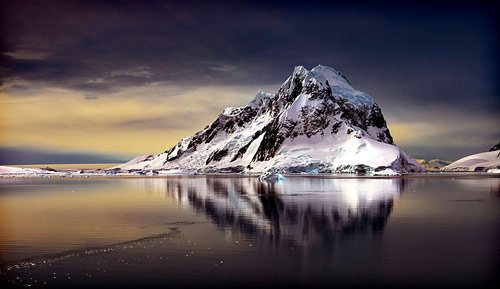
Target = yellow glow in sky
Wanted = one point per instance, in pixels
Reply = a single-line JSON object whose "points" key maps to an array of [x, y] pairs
{"points": [[151, 119], [131, 122]]}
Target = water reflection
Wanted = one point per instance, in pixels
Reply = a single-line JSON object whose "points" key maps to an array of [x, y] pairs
{"points": [[494, 187], [305, 231], [299, 210]]}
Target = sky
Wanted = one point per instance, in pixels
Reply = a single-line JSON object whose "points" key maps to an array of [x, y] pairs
{"points": [[104, 81]]}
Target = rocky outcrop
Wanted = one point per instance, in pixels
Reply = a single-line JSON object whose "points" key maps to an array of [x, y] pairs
{"points": [[434, 164]]}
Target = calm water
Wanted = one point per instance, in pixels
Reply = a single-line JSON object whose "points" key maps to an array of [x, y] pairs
{"points": [[227, 232]]}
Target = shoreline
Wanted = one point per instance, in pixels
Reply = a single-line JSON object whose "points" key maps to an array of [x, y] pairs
{"points": [[68, 175]]}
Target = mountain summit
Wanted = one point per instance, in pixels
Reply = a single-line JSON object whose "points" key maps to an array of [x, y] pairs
{"points": [[315, 123]]}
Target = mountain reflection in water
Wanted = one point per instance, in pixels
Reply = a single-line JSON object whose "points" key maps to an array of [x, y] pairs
{"points": [[299, 210], [229, 232]]}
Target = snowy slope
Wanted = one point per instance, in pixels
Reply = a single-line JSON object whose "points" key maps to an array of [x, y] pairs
{"points": [[15, 171], [477, 162], [315, 123]]}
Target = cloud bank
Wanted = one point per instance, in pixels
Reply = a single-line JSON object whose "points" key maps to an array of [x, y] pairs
{"points": [[135, 76]]}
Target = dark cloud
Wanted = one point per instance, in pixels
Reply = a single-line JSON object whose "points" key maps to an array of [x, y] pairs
{"points": [[199, 43], [454, 139], [409, 55], [28, 156]]}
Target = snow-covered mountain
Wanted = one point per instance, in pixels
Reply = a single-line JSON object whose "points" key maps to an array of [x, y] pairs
{"points": [[16, 171], [316, 123], [481, 162]]}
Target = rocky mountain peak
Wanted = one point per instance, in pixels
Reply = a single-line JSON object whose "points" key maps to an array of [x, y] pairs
{"points": [[316, 121]]}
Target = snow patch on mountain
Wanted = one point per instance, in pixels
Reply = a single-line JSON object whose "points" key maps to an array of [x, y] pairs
{"points": [[481, 162]]}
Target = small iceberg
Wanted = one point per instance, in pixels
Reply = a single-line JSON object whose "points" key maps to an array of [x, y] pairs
{"points": [[386, 172], [271, 177]]}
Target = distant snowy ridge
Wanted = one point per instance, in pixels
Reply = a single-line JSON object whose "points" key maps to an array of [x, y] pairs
{"points": [[434, 164], [315, 123], [16, 171], [481, 162]]}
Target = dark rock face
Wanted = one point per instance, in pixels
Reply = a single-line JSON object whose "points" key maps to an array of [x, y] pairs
{"points": [[224, 123], [495, 147], [217, 156], [272, 141]]}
